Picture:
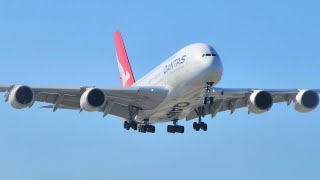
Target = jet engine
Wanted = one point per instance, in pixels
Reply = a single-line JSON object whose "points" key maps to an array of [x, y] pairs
{"points": [[306, 101], [21, 97], [260, 102], [92, 99]]}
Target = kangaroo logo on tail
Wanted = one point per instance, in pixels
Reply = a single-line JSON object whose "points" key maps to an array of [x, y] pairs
{"points": [[126, 75]]}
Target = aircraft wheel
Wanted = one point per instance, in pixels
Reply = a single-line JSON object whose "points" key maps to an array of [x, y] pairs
{"points": [[153, 129], [150, 128], [204, 127], [195, 125], [180, 129], [170, 129], [134, 125], [197, 128], [144, 129], [126, 125], [173, 129]]}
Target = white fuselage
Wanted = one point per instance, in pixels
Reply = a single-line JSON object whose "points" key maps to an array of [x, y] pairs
{"points": [[185, 75]]}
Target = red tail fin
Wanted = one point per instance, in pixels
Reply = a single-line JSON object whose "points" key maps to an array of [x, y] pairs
{"points": [[126, 75]]}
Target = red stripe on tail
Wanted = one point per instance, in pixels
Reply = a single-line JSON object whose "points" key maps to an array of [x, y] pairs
{"points": [[126, 75]]}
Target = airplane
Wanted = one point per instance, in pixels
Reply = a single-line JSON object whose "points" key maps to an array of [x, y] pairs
{"points": [[182, 87]]}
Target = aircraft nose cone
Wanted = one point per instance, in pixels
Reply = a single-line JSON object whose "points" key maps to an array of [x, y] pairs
{"points": [[215, 65]]}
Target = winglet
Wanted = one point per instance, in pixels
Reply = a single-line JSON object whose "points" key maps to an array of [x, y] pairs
{"points": [[126, 75]]}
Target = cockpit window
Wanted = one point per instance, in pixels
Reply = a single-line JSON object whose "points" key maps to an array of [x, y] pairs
{"points": [[203, 55]]}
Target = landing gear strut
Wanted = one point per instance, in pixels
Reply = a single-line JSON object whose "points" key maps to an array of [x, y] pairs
{"points": [[200, 125], [175, 128], [131, 123]]}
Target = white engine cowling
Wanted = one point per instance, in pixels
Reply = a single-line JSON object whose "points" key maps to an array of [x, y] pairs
{"points": [[21, 97], [306, 101], [92, 99], [260, 102]]}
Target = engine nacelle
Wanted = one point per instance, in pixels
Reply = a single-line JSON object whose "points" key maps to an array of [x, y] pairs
{"points": [[21, 97], [306, 101], [92, 99], [260, 102]]}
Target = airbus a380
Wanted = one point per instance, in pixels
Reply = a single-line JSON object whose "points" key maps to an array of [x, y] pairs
{"points": [[182, 87]]}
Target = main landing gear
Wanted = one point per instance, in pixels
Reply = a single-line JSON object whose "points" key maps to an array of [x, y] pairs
{"points": [[141, 128], [147, 128], [200, 125], [131, 124], [175, 128], [127, 125]]}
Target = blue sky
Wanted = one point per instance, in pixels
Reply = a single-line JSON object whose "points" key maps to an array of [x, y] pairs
{"points": [[264, 44]]}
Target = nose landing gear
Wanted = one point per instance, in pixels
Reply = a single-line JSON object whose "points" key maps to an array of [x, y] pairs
{"points": [[208, 99]]}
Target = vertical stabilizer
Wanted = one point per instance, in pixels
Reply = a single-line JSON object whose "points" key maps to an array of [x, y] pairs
{"points": [[126, 75]]}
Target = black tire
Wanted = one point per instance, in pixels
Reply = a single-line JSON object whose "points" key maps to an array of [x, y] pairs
{"points": [[150, 128], [195, 125], [153, 129], [181, 129], [205, 127], [178, 129], [134, 125], [168, 129], [144, 129], [198, 127], [125, 124], [174, 129]]}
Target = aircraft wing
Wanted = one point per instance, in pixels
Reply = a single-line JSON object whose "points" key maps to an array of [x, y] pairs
{"points": [[230, 99], [118, 99]]}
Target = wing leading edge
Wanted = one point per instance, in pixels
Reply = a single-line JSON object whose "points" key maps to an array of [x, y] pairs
{"points": [[230, 99], [118, 99]]}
